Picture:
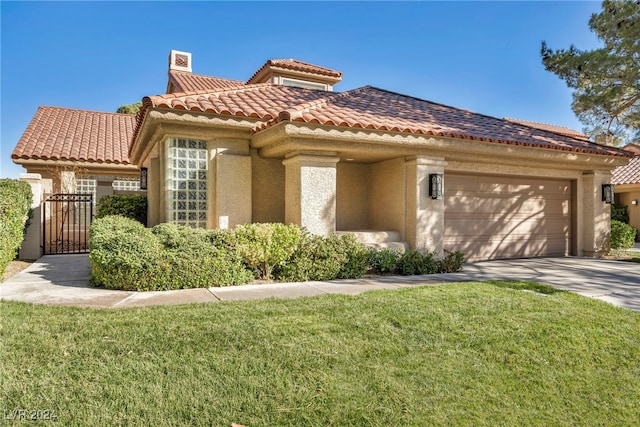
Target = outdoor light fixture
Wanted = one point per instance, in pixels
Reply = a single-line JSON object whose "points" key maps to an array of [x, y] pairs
{"points": [[607, 193], [143, 178], [435, 186], [634, 202]]}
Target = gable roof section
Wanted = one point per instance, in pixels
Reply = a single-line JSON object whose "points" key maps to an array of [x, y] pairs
{"points": [[628, 174], [295, 65], [67, 134], [369, 108], [560, 130], [184, 81]]}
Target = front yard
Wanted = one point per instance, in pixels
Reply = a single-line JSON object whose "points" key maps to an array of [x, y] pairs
{"points": [[498, 353]]}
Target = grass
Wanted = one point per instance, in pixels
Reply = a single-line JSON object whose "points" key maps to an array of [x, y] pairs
{"points": [[499, 353]]}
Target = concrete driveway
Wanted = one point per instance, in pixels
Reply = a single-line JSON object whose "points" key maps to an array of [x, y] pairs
{"points": [[63, 280]]}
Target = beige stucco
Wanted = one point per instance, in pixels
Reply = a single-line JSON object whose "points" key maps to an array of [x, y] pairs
{"points": [[310, 192], [328, 178], [625, 195]]}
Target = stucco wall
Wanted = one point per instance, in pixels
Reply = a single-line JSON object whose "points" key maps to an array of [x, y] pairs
{"points": [[267, 189], [352, 198], [634, 211], [387, 196]]}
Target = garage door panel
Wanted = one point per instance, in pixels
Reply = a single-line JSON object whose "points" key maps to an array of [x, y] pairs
{"points": [[490, 217]]}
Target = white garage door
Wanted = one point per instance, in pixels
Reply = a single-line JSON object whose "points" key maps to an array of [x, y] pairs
{"points": [[491, 217]]}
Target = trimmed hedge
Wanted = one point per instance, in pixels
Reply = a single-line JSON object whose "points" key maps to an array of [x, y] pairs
{"points": [[15, 211], [622, 235], [126, 255], [132, 206]]}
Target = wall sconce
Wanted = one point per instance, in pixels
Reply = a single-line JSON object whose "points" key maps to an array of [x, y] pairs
{"points": [[435, 186], [634, 202], [143, 178], [607, 193]]}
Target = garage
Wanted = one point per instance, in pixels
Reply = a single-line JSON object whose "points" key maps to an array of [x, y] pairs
{"points": [[498, 216]]}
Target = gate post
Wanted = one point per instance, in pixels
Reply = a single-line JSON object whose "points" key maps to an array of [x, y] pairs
{"points": [[31, 247]]}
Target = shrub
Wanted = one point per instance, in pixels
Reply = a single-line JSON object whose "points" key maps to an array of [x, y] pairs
{"points": [[15, 210], [126, 255], [415, 262], [315, 258], [383, 261], [356, 256], [264, 247], [132, 206], [620, 213], [451, 262], [622, 235]]}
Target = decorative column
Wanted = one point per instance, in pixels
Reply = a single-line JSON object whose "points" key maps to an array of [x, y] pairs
{"points": [[424, 215], [595, 215], [310, 192], [31, 246]]}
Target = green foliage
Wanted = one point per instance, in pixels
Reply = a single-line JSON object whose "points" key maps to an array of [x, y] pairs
{"points": [[132, 206], [415, 262], [264, 247], [130, 108], [126, 255], [315, 258], [620, 213], [622, 235], [15, 209], [383, 261], [451, 262], [606, 81], [356, 256]]}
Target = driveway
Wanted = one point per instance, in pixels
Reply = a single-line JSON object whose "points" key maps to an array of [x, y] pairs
{"points": [[63, 280]]}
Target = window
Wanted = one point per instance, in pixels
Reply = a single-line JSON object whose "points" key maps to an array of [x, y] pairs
{"points": [[86, 185], [303, 84], [126, 184], [186, 182]]}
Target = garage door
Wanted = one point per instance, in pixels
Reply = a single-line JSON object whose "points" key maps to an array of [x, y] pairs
{"points": [[491, 217]]}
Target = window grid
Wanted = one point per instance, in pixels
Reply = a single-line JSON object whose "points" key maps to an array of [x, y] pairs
{"points": [[186, 182], [126, 184]]}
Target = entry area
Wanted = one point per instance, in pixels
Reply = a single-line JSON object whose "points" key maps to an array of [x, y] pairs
{"points": [[497, 216]]}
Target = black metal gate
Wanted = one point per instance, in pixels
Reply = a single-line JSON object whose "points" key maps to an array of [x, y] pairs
{"points": [[65, 228]]}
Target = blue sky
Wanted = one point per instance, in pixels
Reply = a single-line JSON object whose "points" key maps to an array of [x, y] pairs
{"points": [[480, 56]]}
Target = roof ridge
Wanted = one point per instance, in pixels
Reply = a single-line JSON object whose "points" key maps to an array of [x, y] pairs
{"points": [[232, 89], [85, 111], [205, 75]]}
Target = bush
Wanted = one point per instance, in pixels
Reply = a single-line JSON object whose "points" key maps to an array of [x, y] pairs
{"points": [[622, 235], [620, 213], [126, 255], [383, 261], [451, 262], [15, 210], [415, 262], [132, 206], [264, 247]]}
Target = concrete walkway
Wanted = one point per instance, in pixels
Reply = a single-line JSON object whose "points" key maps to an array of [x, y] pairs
{"points": [[63, 280]]}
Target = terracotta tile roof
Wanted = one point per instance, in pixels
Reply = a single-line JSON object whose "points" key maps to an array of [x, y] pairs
{"points": [[369, 108], [295, 65], [66, 134], [633, 147], [628, 174], [561, 130], [184, 81]]}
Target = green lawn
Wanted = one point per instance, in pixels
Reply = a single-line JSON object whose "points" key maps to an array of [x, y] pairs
{"points": [[461, 354]]}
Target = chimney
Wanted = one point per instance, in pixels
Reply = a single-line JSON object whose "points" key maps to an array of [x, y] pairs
{"points": [[180, 61]]}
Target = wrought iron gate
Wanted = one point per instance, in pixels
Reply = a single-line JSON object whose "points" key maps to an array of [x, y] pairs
{"points": [[65, 225]]}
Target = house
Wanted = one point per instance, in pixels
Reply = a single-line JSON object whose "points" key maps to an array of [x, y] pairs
{"points": [[285, 147], [627, 181]]}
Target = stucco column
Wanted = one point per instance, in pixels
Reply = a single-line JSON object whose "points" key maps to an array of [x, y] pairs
{"points": [[596, 214], [310, 192], [424, 216], [31, 246], [155, 188]]}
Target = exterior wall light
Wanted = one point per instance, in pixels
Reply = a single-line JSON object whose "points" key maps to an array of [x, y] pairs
{"points": [[634, 202], [435, 186], [143, 178], [607, 193]]}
